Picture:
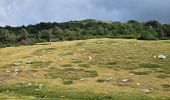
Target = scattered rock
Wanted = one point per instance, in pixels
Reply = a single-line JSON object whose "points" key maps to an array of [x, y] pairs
{"points": [[8, 71], [40, 85], [137, 84], [62, 96], [16, 70], [161, 57], [15, 74], [90, 58], [17, 64], [131, 74], [29, 62], [60, 59], [146, 91], [7, 91], [29, 84], [125, 80], [151, 89], [154, 57], [36, 89], [33, 75], [81, 79]]}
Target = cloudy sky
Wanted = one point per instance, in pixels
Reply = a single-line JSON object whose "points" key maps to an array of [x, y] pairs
{"points": [[24, 12]]}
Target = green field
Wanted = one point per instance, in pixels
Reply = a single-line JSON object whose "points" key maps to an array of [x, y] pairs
{"points": [[96, 69]]}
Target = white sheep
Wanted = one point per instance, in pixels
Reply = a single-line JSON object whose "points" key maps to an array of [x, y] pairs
{"points": [[161, 57]]}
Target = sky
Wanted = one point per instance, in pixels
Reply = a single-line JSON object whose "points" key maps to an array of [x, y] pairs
{"points": [[25, 12]]}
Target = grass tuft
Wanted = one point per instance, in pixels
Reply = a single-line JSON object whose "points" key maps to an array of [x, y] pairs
{"points": [[149, 65]]}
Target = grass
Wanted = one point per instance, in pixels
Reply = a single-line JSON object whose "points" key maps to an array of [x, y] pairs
{"points": [[112, 63], [84, 65], [40, 64], [22, 90], [69, 73], [163, 76], [41, 52], [76, 77], [67, 82], [165, 85], [141, 72], [149, 65], [77, 61], [67, 65]]}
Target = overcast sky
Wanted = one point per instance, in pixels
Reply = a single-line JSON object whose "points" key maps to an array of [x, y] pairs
{"points": [[24, 12]]}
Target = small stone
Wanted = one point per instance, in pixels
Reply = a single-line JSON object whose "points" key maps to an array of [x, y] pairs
{"points": [[7, 91], [151, 89], [62, 96], [15, 74], [124, 80], [17, 64], [8, 71], [138, 84], [81, 79], [60, 59], [29, 62], [40, 85], [29, 84], [16, 70], [154, 57], [36, 89], [131, 74], [33, 75], [90, 58]]}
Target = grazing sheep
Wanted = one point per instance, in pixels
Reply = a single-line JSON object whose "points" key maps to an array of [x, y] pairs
{"points": [[146, 90], [161, 57]]}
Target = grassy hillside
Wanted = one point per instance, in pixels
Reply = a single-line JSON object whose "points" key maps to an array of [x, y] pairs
{"points": [[96, 69]]}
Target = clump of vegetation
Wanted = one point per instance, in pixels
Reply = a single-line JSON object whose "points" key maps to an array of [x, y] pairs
{"points": [[84, 65], [112, 63], [80, 43], [40, 64], [69, 73], [66, 54], [103, 80], [22, 89], [67, 82], [149, 65], [163, 76], [165, 85], [77, 61], [141, 73], [67, 65], [40, 52]]}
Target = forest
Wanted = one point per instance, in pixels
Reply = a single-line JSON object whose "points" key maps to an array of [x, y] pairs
{"points": [[80, 30]]}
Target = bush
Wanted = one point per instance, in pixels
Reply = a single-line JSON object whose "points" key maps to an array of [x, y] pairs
{"points": [[147, 36]]}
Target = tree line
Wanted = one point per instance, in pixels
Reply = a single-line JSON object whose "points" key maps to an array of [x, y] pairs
{"points": [[86, 29]]}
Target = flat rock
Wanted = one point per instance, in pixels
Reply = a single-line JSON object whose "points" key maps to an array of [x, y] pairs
{"points": [[17, 64], [29, 62], [125, 80]]}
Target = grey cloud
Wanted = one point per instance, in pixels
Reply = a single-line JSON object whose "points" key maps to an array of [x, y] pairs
{"points": [[19, 12]]}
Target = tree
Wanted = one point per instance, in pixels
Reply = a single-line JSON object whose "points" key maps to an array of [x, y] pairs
{"points": [[23, 34], [153, 23], [132, 22], [46, 34]]}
